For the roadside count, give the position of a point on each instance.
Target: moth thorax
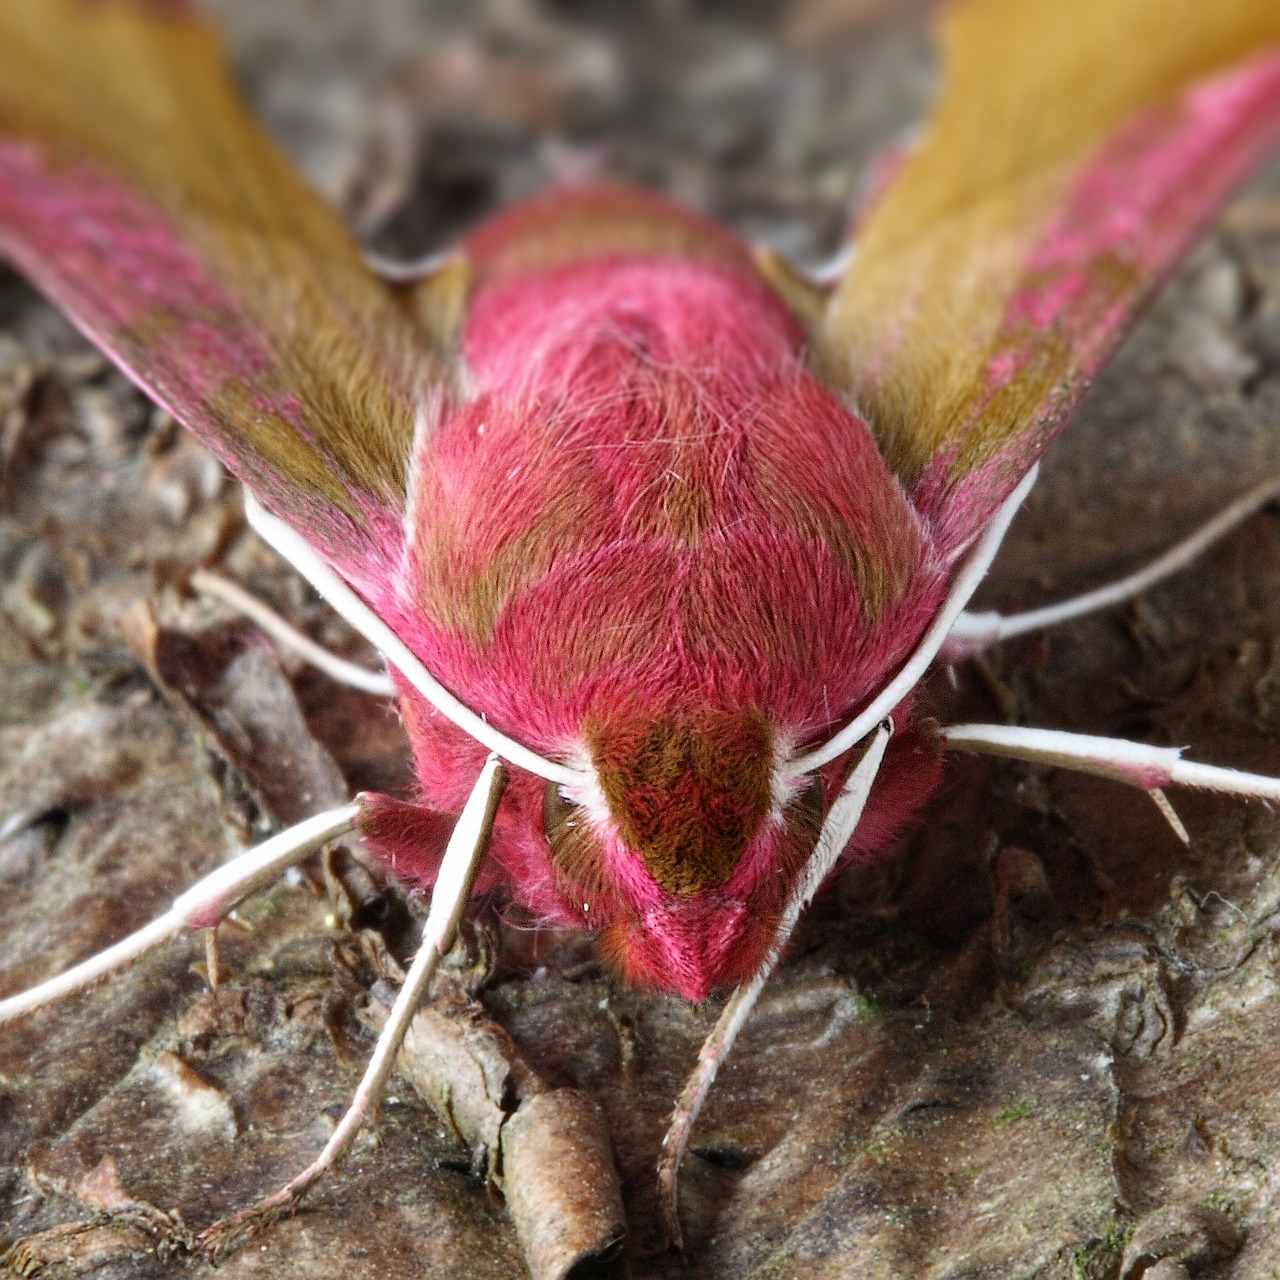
(688, 790)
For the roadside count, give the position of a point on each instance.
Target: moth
(657, 536)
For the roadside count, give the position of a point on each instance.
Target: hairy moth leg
(837, 829)
(974, 632)
(339, 669)
(449, 899)
(201, 907)
(1136, 763)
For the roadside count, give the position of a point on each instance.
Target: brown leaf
(560, 1182)
(235, 692)
(547, 1150)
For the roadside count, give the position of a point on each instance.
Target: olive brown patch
(688, 790)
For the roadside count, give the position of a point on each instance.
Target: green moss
(1098, 1258)
(1222, 1200)
(1017, 1109)
(881, 1148)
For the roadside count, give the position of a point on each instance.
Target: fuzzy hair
(647, 513)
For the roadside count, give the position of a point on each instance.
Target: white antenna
(299, 553)
(909, 675)
(308, 562)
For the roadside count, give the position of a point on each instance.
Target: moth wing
(138, 194)
(1074, 151)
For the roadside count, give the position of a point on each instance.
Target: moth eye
(804, 815)
(575, 852)
(559, 816)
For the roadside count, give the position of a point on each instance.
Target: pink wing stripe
(1124, 222)
(115, 263)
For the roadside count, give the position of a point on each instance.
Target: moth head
(686, 791)
(680, 847)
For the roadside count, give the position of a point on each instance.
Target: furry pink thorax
(646, 516)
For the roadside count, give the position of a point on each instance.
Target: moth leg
(449, 899)
(1135, 763)
(200, 907)
(715, 1049)
(974, 632)
(348, 673)
(1170, 815)
(837, 829)
(212, 958)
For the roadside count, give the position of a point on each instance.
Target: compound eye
(559, 816)
(575, 852)
(804, 816)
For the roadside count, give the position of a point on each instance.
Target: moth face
(686, 792)
(679, 851)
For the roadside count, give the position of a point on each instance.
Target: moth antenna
(348, 605)
(449, 898)
(405, 270)
(836, 267)
(212, 958)
(1135, 763)
(1170, 815)
(837, 830)
(200, 907)
(339, 669)
(910, 673)
(974, 632)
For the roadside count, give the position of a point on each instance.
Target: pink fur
(686, 517)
